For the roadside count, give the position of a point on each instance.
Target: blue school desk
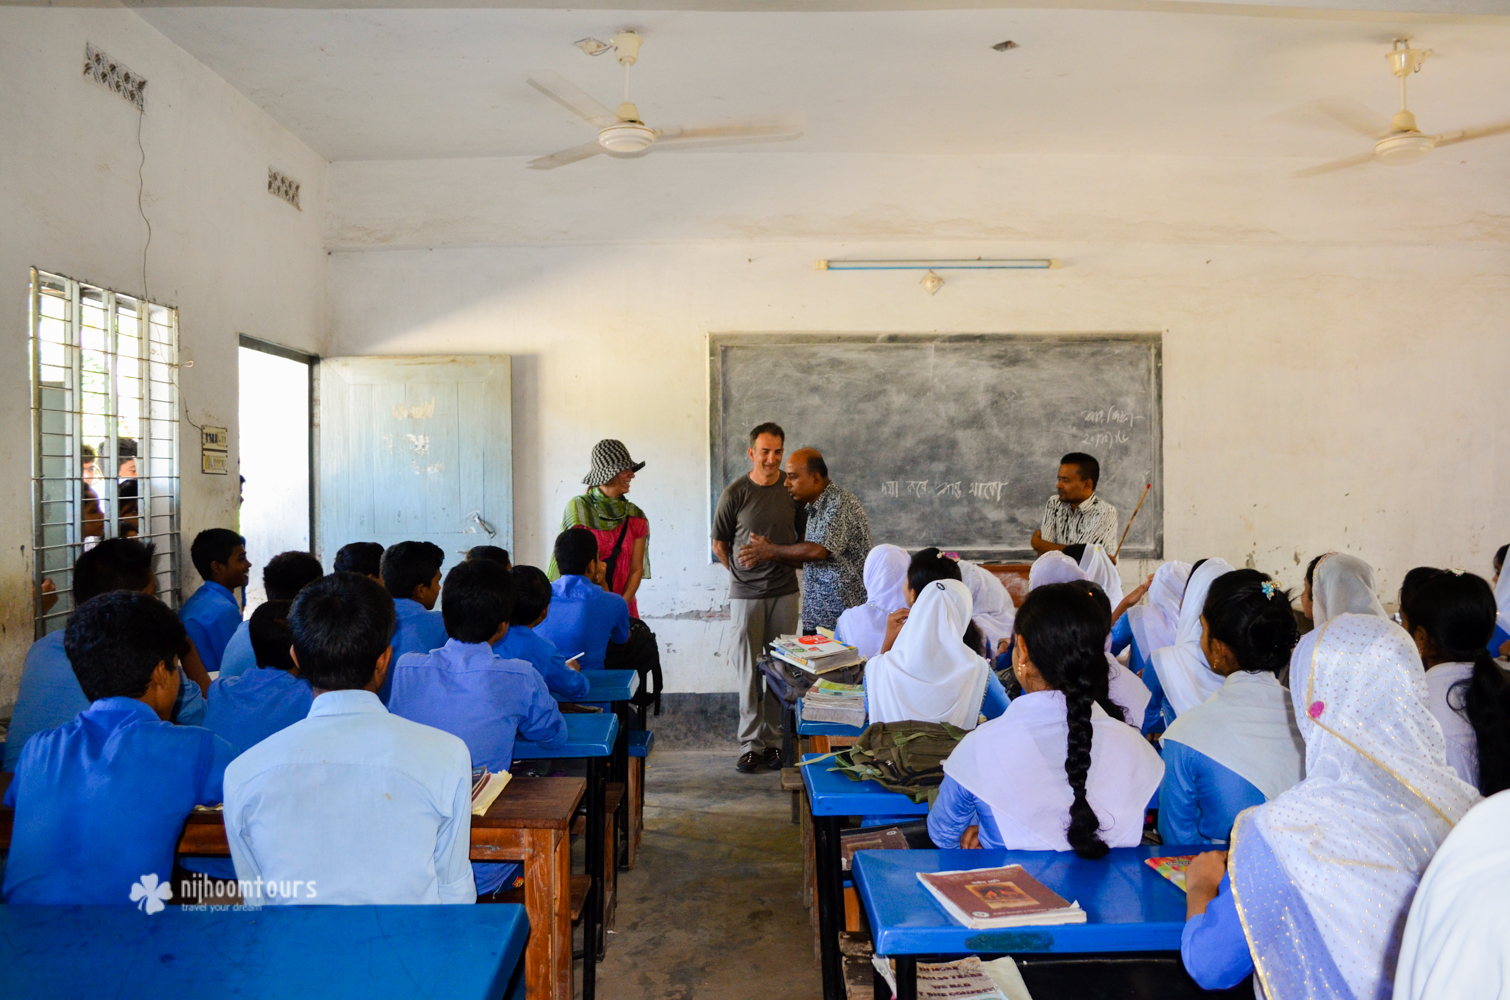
(1129, 907)
(591, 738)
(613, 689)
(831, 796)
(330, 952)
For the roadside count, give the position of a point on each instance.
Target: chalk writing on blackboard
(921, 488)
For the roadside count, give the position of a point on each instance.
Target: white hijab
(1502, 599)
(1183, 671)
(930, 675)
(994, 613)
(864, 627)
(1353, 838)
(1455, 939)
(1340, 585)
(1015, 763)
(1248, 727)
(1098, 568)
(1053, 567)
(1153, 624)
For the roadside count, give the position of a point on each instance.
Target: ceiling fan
(1400, 141)
(621, 132)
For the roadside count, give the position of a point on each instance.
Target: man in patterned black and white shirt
(1075, 515)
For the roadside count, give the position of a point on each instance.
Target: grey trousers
(756, 622)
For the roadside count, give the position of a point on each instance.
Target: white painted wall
(1335, 351)
(230, 256)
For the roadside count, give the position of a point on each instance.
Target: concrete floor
(713, 909)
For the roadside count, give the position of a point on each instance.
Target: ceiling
(390, 84)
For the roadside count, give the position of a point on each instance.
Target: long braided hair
(1065, 628)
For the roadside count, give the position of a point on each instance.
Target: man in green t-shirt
(763, 599)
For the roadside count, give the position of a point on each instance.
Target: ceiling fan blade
(1326, 168)
(734, 133)
(1355, 116)
(1468, 134)
(566, 156)
(571, 97)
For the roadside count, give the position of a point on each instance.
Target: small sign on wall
(214, 451)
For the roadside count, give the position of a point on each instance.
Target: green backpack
(905, 757)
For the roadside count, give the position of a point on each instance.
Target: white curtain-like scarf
(1502, 598)
(929, 674)
(1153, 624)
(864, 627)
(1323, 875)
(1248, 727)
(1183, 671)
(1455, 939)
(1340, 585)
(1053, 567)
(1099, 569)
(994, 613)
(1015, 763)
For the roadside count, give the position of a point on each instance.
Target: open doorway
(275, 454)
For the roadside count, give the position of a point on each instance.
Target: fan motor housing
(1404, 147)
(626, 137)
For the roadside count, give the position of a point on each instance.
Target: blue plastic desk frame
(613, 689)
(831, 796)
(591, 738)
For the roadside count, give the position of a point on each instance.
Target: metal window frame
(313, 363)
(148, 430)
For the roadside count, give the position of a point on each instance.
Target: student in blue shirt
(532, 602)
(248, 708)
(465, 689)
(50, 694)
(282, 578)
(365, 558)
(211, 615)
(100, 801)
(352, 805)
(411, 572)
(583, 617)
(490, 552)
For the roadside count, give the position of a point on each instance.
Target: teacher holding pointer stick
(1075, 515)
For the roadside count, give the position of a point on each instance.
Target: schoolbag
(905, 757)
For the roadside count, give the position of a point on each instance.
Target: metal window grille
(104, 434)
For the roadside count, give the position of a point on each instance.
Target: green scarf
(596, 510)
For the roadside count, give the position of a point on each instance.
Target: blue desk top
(606, 687)
(590, 735)
(805, 728)
(330, 952)
(832, 793)
(1128, 905)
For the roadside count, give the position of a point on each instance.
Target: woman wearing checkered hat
(621, 527)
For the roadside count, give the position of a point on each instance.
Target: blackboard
(951, 440)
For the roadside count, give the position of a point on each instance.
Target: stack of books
(826, 701)
(816, 654)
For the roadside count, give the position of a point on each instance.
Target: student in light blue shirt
(282, 578)
(352, 805)
(100, 801)
(211, 614)
(465, 689)
(411, 572)
(50, 694)
(583, 617)
(532, 602)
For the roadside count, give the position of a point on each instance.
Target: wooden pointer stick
(1130, 521)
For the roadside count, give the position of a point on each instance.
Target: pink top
(639, 527)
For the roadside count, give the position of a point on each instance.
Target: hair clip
(1268, 586)
(1456, 572)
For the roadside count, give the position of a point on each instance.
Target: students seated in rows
(411, 572)
(928, 670)
(584, 618)
(1184, 675)
(1324, 874)
(490, 552)
(248, 708)
(351, 805)
(864, 626)
(100, 800)
(1450, 617)
(212, 614)
(532, 601)
(467, 690)
(1078, 779)
(365, 558)
(282, 578)
(50, 694)
(1241, 746)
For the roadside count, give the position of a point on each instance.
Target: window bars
(104, 434)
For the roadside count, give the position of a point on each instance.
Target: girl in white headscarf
(1338, 584)
(1057, 771)
(993, 609)
(1183, 672)
(1099, 569)
(1502, 600)
(1147, 627)
(1240, 747)
(1319, 882)
(864, 627)
(929, 674)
